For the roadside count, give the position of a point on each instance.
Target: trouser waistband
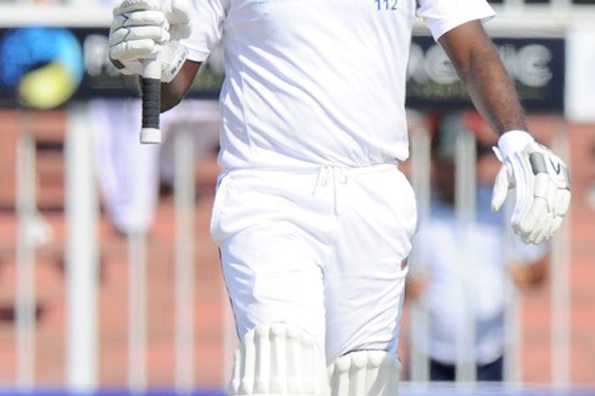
(316, 169)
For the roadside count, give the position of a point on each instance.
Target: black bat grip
(151, 109)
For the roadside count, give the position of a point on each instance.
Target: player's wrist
(172, 58)
(513, 141)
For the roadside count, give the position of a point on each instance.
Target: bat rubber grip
(150, 136)
(151, 109)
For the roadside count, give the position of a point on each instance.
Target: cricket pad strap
(279, 359)
(365, 373)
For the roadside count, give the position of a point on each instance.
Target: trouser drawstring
(333, 176)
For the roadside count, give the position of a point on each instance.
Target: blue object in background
(42, 66)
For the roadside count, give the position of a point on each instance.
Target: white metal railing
(82, 208)
(420, 179)
(25, 258)
(137, 311)
(560, 287)
(54, 15)
(513, 330)
(465, 205)
(185, 366)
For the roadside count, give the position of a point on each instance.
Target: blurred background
(109, 281)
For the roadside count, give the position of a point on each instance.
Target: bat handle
(151, 94)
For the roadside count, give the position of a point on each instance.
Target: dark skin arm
(479, 67)
(174, 92)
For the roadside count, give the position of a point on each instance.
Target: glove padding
(542, 186)
(149, 29)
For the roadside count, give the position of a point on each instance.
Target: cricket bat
(151, 97)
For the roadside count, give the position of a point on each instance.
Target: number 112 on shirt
(386, 5)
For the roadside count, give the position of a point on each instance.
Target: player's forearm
(171, 96)
(479, 66)
(492, 90)
(173, 92)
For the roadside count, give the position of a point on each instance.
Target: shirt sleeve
(440, 16)
(207, 28)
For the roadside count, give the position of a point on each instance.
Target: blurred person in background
(129, 173)
(491, 263)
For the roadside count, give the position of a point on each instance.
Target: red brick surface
(113, 290)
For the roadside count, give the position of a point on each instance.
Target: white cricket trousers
(321, 249)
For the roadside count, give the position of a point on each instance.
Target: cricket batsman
(312, 216)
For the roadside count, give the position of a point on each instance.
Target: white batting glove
(149, 29)
(542, 186)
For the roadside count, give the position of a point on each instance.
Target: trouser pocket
(221, 197)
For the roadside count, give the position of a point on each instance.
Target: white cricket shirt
(311, 82)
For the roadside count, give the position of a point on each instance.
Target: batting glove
(149, 29)
(541, 182)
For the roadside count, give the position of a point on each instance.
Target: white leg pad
(365, 373)
(276, 360)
